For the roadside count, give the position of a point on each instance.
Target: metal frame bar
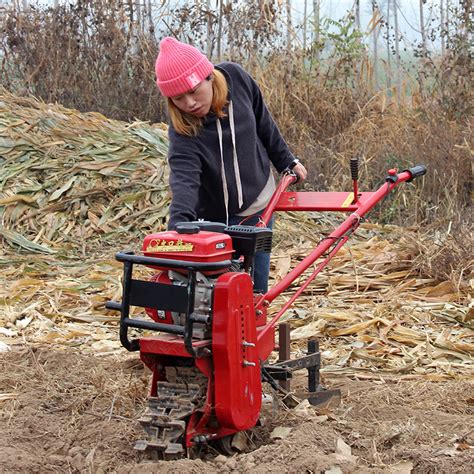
(331, 244)
(129, 259)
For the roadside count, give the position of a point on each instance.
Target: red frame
(152, 348)
(318, 201)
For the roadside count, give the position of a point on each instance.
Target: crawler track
(164, 420)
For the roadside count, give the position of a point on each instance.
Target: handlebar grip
(290, 172)
(416, 171)
(355, 169)
(113, 305)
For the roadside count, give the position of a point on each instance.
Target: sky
(336, 9)
(409, 22)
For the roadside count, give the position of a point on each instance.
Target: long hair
(187, 124)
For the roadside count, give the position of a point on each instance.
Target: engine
(202, 301)
(202, 242)
(189, 243)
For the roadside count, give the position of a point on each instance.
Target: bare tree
(422, 27)
(151, 25)
(441, 19)
(357, 14)
(305, 23)
(288, 24)
(447, 22)
(397, 50)
(209, 28)
(138, 11)
(389, 55)
(219, 30)
(317, 26)
(375, 38)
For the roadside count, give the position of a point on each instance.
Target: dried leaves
(75, 188)
(375, 316)
(398, 326)
(69, 179)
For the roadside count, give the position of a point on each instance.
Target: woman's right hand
(300, 171)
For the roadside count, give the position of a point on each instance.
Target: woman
(222, 139)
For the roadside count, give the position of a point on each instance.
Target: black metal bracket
(312, 361)
(316, 394)
(158, 296)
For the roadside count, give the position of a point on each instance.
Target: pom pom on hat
(179, 67)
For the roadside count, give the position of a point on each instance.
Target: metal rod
(188, 324)
(125, 309)
(355, 178)
(285, 181)
(356, 192)
(142, 324)
(313, 372)
(284, 350)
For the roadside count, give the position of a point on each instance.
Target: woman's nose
(190, 102)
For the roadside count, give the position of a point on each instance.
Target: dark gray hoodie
(196, 178)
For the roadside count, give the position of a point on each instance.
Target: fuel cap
(187, 229)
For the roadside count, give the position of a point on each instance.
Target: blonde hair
(186, 124)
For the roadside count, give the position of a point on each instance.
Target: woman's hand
(300, 171)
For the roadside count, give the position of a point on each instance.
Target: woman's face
(196, 101)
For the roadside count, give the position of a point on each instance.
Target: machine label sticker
(159, 245)
(348, 201)
(220, 245)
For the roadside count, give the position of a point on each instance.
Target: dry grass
(99, 56)
(444, 255)
(68, 179)
(327, 126)
(87, 55)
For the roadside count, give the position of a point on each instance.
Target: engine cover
(201, 246)
(237, 379)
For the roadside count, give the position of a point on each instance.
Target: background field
(83, 174)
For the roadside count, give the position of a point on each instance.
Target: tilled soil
(66, 411)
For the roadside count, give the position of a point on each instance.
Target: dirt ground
(67, 411)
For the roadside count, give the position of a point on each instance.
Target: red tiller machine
(209, 336)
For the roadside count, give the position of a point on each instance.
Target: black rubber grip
(355, 169)
(113, 305)
(416, 171)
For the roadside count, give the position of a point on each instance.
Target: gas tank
(189, 244)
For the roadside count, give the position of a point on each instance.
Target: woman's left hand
(300, 171)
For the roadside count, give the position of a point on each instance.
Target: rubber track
(164, 420)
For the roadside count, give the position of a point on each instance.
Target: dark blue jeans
(261, 268)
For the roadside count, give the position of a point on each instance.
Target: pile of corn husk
(375, 315)
(70, 180)
(73, 184)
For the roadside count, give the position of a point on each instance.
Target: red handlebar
(287, 179)
(328, 245)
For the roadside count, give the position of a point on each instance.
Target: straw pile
(376, 316)
(68, 180)
(72, 185)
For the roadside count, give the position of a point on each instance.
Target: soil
(63, 410)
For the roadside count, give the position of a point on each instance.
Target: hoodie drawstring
(235, 161)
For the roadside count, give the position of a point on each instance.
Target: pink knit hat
(179, 67)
